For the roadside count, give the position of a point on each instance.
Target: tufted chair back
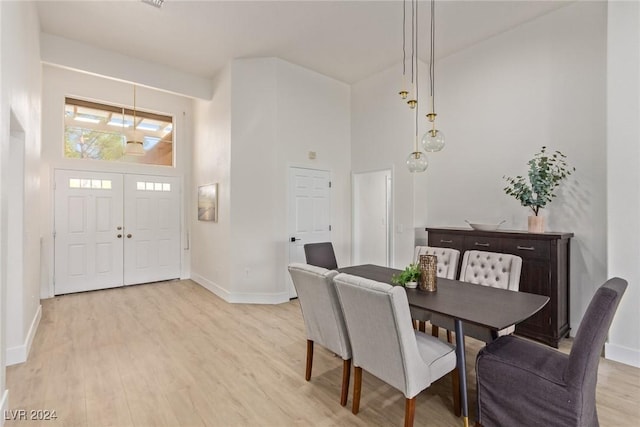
(491, 269)
(447, 259)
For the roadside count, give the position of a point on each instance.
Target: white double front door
(114, 229)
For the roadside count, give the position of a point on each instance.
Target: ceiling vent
(154, 3)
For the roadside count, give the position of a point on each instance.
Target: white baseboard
(4, 406)
(240, 297)
(19, 353)
(618, 353)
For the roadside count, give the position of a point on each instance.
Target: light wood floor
(173, 354)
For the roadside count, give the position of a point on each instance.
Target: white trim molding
(4, 406)
(618, 353)
(240, 297)
(19, 353)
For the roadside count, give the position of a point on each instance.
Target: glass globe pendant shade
(433, 140)
(417, 162)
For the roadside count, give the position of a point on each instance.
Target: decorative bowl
(484, 227)
(411, 285)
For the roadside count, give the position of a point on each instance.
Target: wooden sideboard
(545, 271)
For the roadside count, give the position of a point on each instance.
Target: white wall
(20, 112)
(623, 174)
(278, 112)
(498, 102)
(59, 83)
(382, 136)
(210, 242)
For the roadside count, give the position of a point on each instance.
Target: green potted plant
(408, 277)
(546, 172)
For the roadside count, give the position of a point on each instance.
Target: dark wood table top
(482, 305)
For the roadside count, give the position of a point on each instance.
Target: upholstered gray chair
(447, 267)
(323, 319)
(384, 342)
(488, 269)
(524, 383)
(321, 255)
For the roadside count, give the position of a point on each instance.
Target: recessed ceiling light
(154, 3)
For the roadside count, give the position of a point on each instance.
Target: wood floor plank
(173, 354)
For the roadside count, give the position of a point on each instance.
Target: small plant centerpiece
(408, 277)
(546, 172)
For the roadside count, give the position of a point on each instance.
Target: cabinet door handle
(526, 248)
(446, 241)
(486, 245)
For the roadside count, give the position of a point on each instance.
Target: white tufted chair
(447, 259)
(488, 269)
(446, 267)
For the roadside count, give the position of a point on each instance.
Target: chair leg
(455, 388)
(449, 339)
(409, 411)
(307, 375)
(346, 373)
(357, 388)
(422, 325)
(435, 331)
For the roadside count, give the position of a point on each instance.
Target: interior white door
(309, 212)
(152, 228)
(371, 217)
(88, 231)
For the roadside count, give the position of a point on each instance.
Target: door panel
(309, 212)
(152, 233)
(88, 210)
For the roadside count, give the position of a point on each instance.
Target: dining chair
(525, 383)
(385, 344)
(487, 269)
(321, 255)
(323, 319)
(447, 267)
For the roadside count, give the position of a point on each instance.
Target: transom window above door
(97, 131)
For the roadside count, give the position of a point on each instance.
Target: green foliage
(545, 174)
(83, 143)
(410, 274)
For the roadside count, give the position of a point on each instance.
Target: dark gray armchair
(524, 383)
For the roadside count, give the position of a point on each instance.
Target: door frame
(48, 288)
(390, 217)
(288, 284)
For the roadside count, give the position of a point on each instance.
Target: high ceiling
(346, 40)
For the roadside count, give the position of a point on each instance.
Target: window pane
(149, 186)
(74, 183)
(157, 186)
(166, 186)
(140, 185)
(106, 184)
(99, 132)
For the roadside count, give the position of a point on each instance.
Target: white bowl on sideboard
(484, 227)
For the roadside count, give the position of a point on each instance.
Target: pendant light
(413, 101)
(134, 144)
(433, 139)
(403, 92)
(417, 160)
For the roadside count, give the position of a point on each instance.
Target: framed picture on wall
(208, 202)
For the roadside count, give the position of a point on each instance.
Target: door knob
(119, 236)
(119, 228)
(128, 236)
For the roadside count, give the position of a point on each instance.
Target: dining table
(465, 302)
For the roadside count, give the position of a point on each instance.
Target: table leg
(462, 369)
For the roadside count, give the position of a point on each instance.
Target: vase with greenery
(411, 274)
(537, 189)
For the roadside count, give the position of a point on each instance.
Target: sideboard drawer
(528, 249)
(442, 240)
(480, 243)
